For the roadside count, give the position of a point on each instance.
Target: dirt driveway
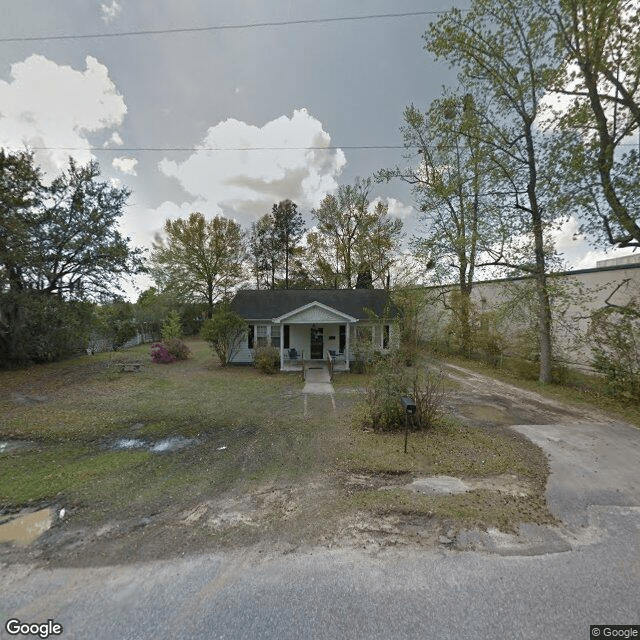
(594, 479)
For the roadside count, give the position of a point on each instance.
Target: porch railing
(330, 365)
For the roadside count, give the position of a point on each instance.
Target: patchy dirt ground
(282, 518)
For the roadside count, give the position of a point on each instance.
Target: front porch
(312, 334)
(303, 365)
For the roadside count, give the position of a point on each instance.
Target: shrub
(392, 380)
(172, 327)
(224, 332)
(266, 359)
(160, 354)
(615, 332)
(177, 348)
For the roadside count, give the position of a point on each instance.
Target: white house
(315, 324)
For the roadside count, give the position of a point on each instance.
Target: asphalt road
(549, 584)
(346, 594)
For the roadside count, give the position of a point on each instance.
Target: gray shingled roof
(268, 304)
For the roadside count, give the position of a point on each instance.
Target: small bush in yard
(383, 411)
(224, 331)
(160, 354)
(266, 359)
(172, 327)
(177, 348)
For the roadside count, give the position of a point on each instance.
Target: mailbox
(408, 404)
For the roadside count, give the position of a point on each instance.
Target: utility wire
(223, 27)
(167, 149)
(355, 147)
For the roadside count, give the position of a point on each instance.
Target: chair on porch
(336, 356)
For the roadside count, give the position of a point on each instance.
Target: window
(275, 340)
(261, 335)
(250, 337)
(385, 336)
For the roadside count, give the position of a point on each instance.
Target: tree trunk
(544, 327)
(542, 293)
(210, 299)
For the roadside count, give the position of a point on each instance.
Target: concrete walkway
(317, 380)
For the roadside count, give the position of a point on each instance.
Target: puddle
(24, 529)
(161, 446)
(13, 445)
(171, 444)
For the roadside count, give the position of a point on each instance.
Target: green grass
(73, 412)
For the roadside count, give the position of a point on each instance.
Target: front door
(317, 344)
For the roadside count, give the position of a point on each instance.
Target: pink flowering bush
(177, 348)
(160, 354)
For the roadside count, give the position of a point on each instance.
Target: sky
(168, 114)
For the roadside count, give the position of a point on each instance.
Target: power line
(192, 149)
(223, 27)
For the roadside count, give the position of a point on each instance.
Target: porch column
(346, 348)
(281, 346)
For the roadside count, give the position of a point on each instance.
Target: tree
(352, 238)
(151, 310)
(288, 228)
(452, 184)
(224, 331)
(199, 260)
(375, 250)
(59, 247)
(62, 239)
(20, 195)
(599, 41)
(262, 252)
(505, 49)
(172, 327)
(115, 321)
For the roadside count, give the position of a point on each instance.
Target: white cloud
(114, 139)
(126, 165)
(110, 11)
(396, 208)
(244, 184)
(55, 106)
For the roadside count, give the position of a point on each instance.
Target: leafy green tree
(115, 321)
(62, 239)
(199, 260)
(263, 252)
(599, 41)
(59, 243)
(376, 250)
(505, 50)
(224, 332)
(288, 227)
(352, 237)
(21, 191)
(452, 184)
(152, 308)
(172, 327)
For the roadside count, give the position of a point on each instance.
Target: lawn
(275, 464)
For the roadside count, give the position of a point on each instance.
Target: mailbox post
(409, 407)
